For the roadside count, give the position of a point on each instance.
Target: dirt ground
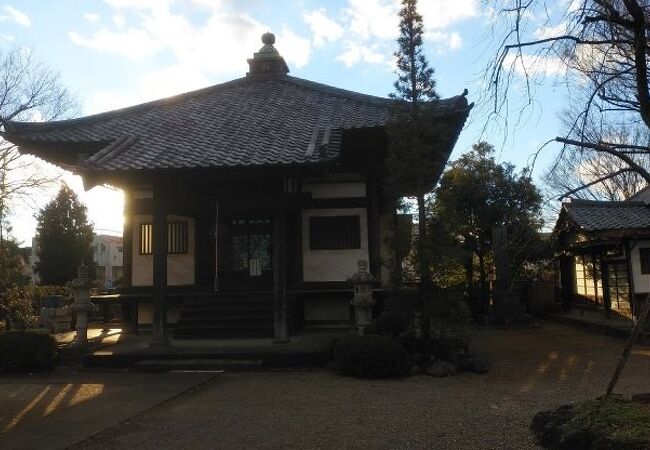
(531, 370)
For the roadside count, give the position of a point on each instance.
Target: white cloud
(373, 25)
(92, 17)
(528, 64)
(134, 44)
(12, 14)
(119, 20)
(441, 14)
(449, 41)
(138, 4)
(219, 45)
(550, 32)
(294, 49)
(9, 37)
(354, 53)
(322, 27)
(373, 18)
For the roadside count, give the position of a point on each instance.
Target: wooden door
(248, 261)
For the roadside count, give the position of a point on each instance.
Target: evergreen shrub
(393, 323)
(25, 351)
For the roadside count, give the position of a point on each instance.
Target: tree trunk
(483, 281)
(423, 261)
(636, 330)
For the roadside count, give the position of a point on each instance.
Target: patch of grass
(616, 423)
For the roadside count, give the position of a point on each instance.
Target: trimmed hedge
(393, 323)
(371, 356)
(25, 351)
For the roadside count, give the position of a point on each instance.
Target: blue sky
(115, 53)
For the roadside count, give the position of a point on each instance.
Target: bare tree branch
(609, 150)
(28, 91)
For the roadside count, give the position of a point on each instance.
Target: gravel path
(531, 370)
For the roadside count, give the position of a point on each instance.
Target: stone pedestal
(362, 301)
(81, 306)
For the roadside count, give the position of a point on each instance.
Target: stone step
(235, 330)
(217, 365)
(218, 309)
(232, 314)
(229, 301)
(226, 320)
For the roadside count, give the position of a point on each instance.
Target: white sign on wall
(255, 267)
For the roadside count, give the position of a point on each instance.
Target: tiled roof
(249, 121)
(601, 215)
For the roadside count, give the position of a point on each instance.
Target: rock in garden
(473, 363)
(441, 369)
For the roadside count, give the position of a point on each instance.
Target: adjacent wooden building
(604, 254)
(248, 203)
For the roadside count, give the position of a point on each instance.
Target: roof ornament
(268, 38)
(267, 61)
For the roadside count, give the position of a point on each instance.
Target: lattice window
(146, 243)
(177, 238)
(334, 233)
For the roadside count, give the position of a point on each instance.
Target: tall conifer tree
(411, 159)
(65, 237)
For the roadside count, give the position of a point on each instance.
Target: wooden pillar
(217, 242)
(159, 247)
(604, 275)
(594, 267)
(127, 241)
(372, 194)
(567, 274)
(129, 319)
(630, 281)
(280, 274)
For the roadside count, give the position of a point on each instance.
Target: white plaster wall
(335, 190)
(327, 309)
(332, 265)
(180, 268)
(641, 281)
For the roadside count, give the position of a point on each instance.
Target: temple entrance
(247, 259)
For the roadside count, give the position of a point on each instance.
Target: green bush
(371, 356)
(447, 348)
(19, 306)
(23, 351)
(393, 323)
(16, 309)
(403, 299)
(447, 313)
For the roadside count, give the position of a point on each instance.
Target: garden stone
(473, 363)
(441, 369)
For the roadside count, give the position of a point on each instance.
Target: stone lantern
(81, 306)
(362, 300)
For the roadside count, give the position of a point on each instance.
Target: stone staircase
(226, 315)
